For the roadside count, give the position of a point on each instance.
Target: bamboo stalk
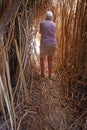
(7, 100)
(10, 90)
(22, 73)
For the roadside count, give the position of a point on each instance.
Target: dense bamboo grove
(72, 52)
(17, 63)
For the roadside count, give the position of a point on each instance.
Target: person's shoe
(42, 75)
(51, 77)
(0, 112)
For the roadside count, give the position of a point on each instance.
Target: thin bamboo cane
(10, 90)
(22, 73)
(7, 103)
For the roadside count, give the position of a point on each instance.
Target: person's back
(47, 42)
(47, 30)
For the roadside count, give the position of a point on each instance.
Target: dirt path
(47, 108)
(46, 101)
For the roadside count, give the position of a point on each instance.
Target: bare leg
(49, 58)
(42, 66)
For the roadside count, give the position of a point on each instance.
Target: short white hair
(49, 14)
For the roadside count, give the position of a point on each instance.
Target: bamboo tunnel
(19, 27)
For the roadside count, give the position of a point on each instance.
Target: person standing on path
(47, 42)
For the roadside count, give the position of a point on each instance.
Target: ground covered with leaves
(49, 108)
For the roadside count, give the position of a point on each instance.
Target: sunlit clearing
(38, 43)
(36, 49)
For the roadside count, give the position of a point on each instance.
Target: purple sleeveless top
(47, 30)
